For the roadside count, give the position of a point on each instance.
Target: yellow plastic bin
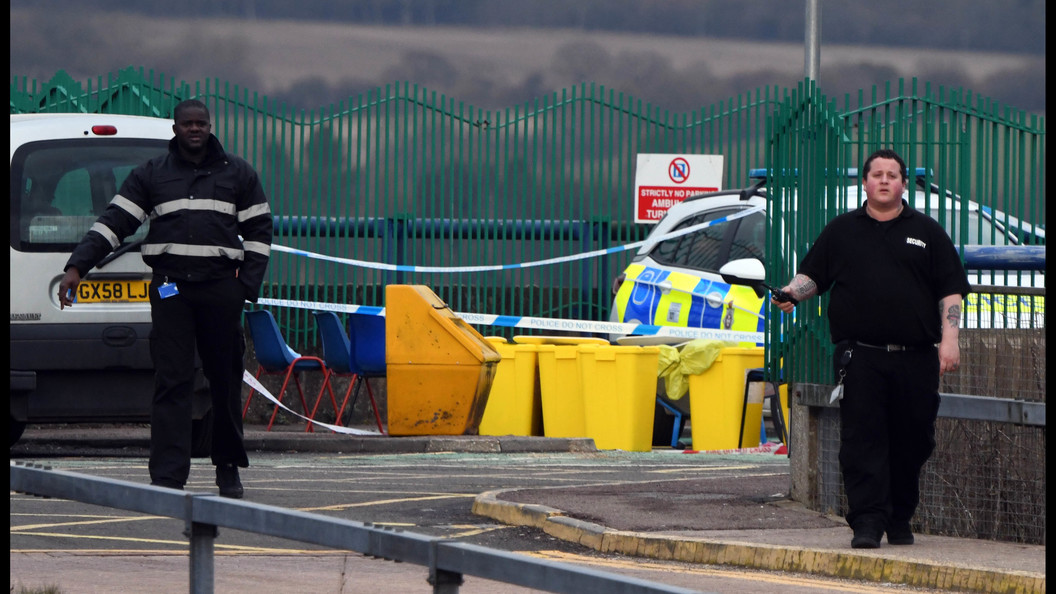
(717, 400)
(514, 406)
(619, 395)
(439, 369)
(560, 394)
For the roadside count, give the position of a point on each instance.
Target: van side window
(65, 185)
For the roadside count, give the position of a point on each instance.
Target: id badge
(837, 394)
(168, 290)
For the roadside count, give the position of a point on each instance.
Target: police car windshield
(711, 247)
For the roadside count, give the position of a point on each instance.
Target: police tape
(256, 385)
(533, 264)
(551, 324)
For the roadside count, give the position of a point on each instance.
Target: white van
(90, 362)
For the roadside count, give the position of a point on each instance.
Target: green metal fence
(404, 175)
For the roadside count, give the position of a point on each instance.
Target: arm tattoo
(953, 314)
(802, 287)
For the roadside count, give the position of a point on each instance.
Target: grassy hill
(311, 64)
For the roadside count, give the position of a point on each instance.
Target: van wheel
(202, 436)
(17, 427)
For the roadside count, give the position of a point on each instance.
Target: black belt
(892, 347)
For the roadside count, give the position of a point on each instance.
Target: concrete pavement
(630, 519)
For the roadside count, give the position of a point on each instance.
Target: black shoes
(227, 480)
(899, 533)
(866, 537)
(168, 484)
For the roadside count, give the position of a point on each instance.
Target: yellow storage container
(514, 406)
(619, 395)
(718, 397)
(752, 410)
(783, 394)
(560, 392)
(439, 369)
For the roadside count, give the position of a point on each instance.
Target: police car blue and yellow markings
(1004, 311)
(666, 298)
(1005, 303)
(641, 302)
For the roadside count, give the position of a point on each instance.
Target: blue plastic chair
(275, 357)
(366, 335)
(337, 351)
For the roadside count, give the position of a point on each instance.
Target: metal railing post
(443, 581)
(203, 538)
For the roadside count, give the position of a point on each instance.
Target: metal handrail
(203, 513)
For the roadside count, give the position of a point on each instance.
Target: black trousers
(207, 315)
(887, 416)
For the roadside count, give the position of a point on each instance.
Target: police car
(90, 362)
(674, 279)
(676, 282)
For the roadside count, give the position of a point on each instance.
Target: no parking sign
(663, 180)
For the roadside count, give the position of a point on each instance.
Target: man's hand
(785, 306)
(800, 288)
(68, 287)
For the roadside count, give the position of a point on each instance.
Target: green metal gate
(960, 145)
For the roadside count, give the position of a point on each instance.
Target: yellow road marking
(343, 506)
(180, 543)
(20, 529)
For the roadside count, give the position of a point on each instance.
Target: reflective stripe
(106, 232)
(253, 211)
(257, 247)
(183, 249)
(130, 207)
(172, 206)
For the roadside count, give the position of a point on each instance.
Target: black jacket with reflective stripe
(197, 213)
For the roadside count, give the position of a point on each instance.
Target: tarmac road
(507, 493)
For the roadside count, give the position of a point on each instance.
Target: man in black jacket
(208, 247)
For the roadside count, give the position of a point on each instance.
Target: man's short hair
(189, 104)
(885, 154)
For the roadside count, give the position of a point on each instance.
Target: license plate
(113, 291)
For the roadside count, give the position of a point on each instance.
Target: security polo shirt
(885, 278)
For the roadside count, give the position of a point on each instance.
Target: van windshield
(60, 187)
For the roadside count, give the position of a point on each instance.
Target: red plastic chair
(275, 357)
